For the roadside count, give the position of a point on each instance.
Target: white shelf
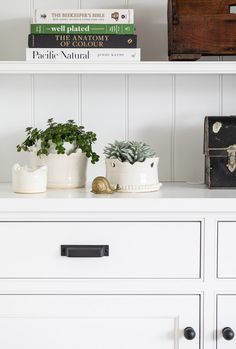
(21, 67)
(173, 197)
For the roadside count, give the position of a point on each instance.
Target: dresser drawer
(226, 322)
(136, 250)
(227, 249)
(101, 322)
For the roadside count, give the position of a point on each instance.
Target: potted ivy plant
(64, 148)
(132, 166)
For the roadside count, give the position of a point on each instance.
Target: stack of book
(83, 36)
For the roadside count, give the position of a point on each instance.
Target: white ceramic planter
(139, 177)
(64, 171)
(29, 181)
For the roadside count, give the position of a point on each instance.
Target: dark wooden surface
(201, 27)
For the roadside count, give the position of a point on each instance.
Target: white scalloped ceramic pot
(29, 181)
(64, 171)
(139, 177)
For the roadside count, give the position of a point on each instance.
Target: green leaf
(130, 151)
(58, 134)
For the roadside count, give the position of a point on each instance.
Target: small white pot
(29, 181)
(139, 177)
(64, 171)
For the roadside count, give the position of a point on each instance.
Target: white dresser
(149, 271)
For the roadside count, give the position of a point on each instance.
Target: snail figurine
(101, 185)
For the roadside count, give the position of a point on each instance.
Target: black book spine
(82, 41)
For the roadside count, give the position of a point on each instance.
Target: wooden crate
(201, 28)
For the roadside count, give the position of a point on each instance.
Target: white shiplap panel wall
(15, 100)
(55, 97)
(150, 116)
(15, 116)
(103, 110)
(151, 23)
(54, 4)
(165, 111)
(14, 27)
(195, 97)
(229, 95)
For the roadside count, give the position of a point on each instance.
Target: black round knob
(189, 333)
(228, 333)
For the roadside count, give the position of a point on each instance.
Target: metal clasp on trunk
(231, 158)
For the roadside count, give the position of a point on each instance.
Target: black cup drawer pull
(84, 251)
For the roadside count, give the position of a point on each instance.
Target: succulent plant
(130, 151)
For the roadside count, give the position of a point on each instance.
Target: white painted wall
(165, 111)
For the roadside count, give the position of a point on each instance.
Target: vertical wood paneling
(103, 112)
(196, 97)
(229, 93)
(14, 27)
(15, 108)
(55, 96)
(150, 116)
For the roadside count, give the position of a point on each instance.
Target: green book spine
(83, 29)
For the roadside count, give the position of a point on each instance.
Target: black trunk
(220, 151)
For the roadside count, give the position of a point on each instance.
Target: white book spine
(104, 16)
(83, 55)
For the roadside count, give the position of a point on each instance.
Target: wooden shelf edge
(161, 68)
